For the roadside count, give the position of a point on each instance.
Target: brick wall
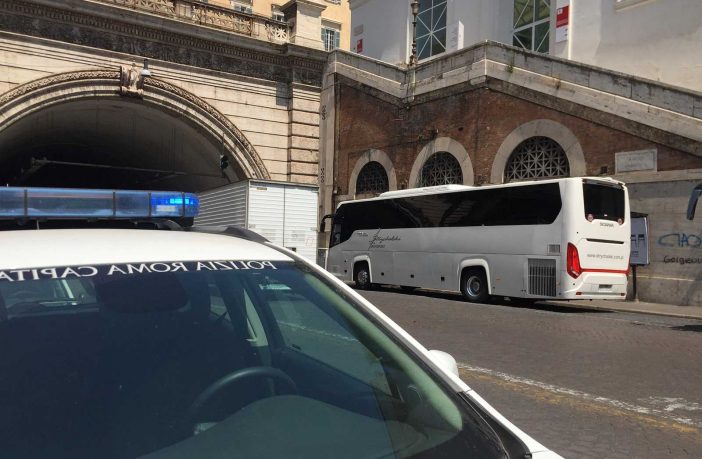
(480, 120)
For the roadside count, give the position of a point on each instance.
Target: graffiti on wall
(681, 240)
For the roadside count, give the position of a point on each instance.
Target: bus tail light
(573, 262)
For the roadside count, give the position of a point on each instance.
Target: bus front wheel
(362, 276)
(474, 285)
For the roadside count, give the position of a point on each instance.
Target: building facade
(652, 39)
(336, 17)
(493, 113)
(162, 94)
(80, 105)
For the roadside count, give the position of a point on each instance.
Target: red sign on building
(562, 16)
(562, 20)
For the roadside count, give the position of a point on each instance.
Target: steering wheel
(234, 377)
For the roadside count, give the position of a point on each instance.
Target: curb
(635, 310)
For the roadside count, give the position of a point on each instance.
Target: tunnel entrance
(87, 138)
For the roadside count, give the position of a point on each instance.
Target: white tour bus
(563, 238)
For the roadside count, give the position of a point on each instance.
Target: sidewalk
(688, 312)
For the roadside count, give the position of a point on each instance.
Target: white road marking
(661, 406)
(671, 404)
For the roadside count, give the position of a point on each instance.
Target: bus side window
(336, 234)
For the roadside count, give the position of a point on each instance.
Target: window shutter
(337, 36)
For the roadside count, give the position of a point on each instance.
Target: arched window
(372, 179)
(440, 169)
(537, 158)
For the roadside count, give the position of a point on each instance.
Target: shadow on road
(510, 302)
(690, 328)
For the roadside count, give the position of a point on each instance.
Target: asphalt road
(585, 383)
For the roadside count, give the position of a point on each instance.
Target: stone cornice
(453, 69)
(663, 114)
(394, 94)
(611, 120)
(108, 27)
(306, 3)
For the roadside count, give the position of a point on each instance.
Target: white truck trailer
(284, 213)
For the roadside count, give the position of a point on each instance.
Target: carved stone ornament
(131, 81)
(37, 85)
(188, 44)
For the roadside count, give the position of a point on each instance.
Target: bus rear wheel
(362, 276)
(474, 286)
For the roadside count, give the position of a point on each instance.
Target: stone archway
(161, 103)
(378, 156)
(539, 128)
(438, 145)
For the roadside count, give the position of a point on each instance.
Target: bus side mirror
(322, 224)
(692, 205)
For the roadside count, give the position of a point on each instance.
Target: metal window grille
(440, 169)
(537, 158)
(372, 179)
(431, 28)
(532, 20)
(542, 277)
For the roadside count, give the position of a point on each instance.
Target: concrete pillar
(303, 135)
(305, 19)
(327, 148)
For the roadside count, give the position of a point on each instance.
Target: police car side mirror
(445, 361)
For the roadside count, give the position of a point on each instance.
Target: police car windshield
(210, 359)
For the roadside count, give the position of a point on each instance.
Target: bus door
(334, 262)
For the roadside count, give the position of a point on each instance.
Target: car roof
(71, 247)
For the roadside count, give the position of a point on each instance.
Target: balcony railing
(196, 12)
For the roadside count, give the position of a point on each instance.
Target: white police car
(124, 334)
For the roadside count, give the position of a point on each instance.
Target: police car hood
(70, 247)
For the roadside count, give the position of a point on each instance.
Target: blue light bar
(60, 203)
(164, 204)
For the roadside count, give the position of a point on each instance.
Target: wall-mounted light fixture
(145, 70)
(414, 4)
